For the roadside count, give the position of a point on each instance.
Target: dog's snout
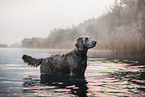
(94, 42)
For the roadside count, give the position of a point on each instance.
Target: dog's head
(85, 42)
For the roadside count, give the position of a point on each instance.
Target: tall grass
(124, 40)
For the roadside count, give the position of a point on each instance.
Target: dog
(73, 63)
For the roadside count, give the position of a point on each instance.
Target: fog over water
(35, 18)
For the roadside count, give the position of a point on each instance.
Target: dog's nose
(94, 42)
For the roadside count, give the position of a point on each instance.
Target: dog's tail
(32, 61)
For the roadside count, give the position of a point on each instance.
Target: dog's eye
(86, 39)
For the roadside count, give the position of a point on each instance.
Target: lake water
(102, 78)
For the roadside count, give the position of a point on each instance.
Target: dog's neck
(80, 53)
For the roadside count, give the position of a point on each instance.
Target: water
(102, 78)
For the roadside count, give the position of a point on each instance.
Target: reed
(123, 40)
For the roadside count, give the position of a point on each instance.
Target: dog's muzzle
(94, 43)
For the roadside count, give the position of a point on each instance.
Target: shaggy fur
(73, 63)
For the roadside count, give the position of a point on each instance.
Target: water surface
(102, 78)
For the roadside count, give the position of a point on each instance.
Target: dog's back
(56, 65)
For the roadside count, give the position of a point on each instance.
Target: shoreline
(92, 53)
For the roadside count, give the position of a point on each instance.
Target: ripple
(103, 78)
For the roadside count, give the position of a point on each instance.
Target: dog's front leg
(71, 74)
(74, 72)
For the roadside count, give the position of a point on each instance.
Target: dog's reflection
(76, 85)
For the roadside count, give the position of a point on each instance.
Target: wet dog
(73, 63)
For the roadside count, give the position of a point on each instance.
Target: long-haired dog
(73, 63)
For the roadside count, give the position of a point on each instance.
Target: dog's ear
(79, 44)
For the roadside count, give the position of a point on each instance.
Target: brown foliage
(121, 30)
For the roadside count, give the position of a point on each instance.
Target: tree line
(121, 30)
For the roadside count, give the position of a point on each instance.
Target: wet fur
(73, 63)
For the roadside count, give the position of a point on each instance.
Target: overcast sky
(36, 18)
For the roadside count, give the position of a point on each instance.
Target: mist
(45, 33)
(21, 19)
(120, 30)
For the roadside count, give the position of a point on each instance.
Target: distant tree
(3, 45)
(91, 31)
